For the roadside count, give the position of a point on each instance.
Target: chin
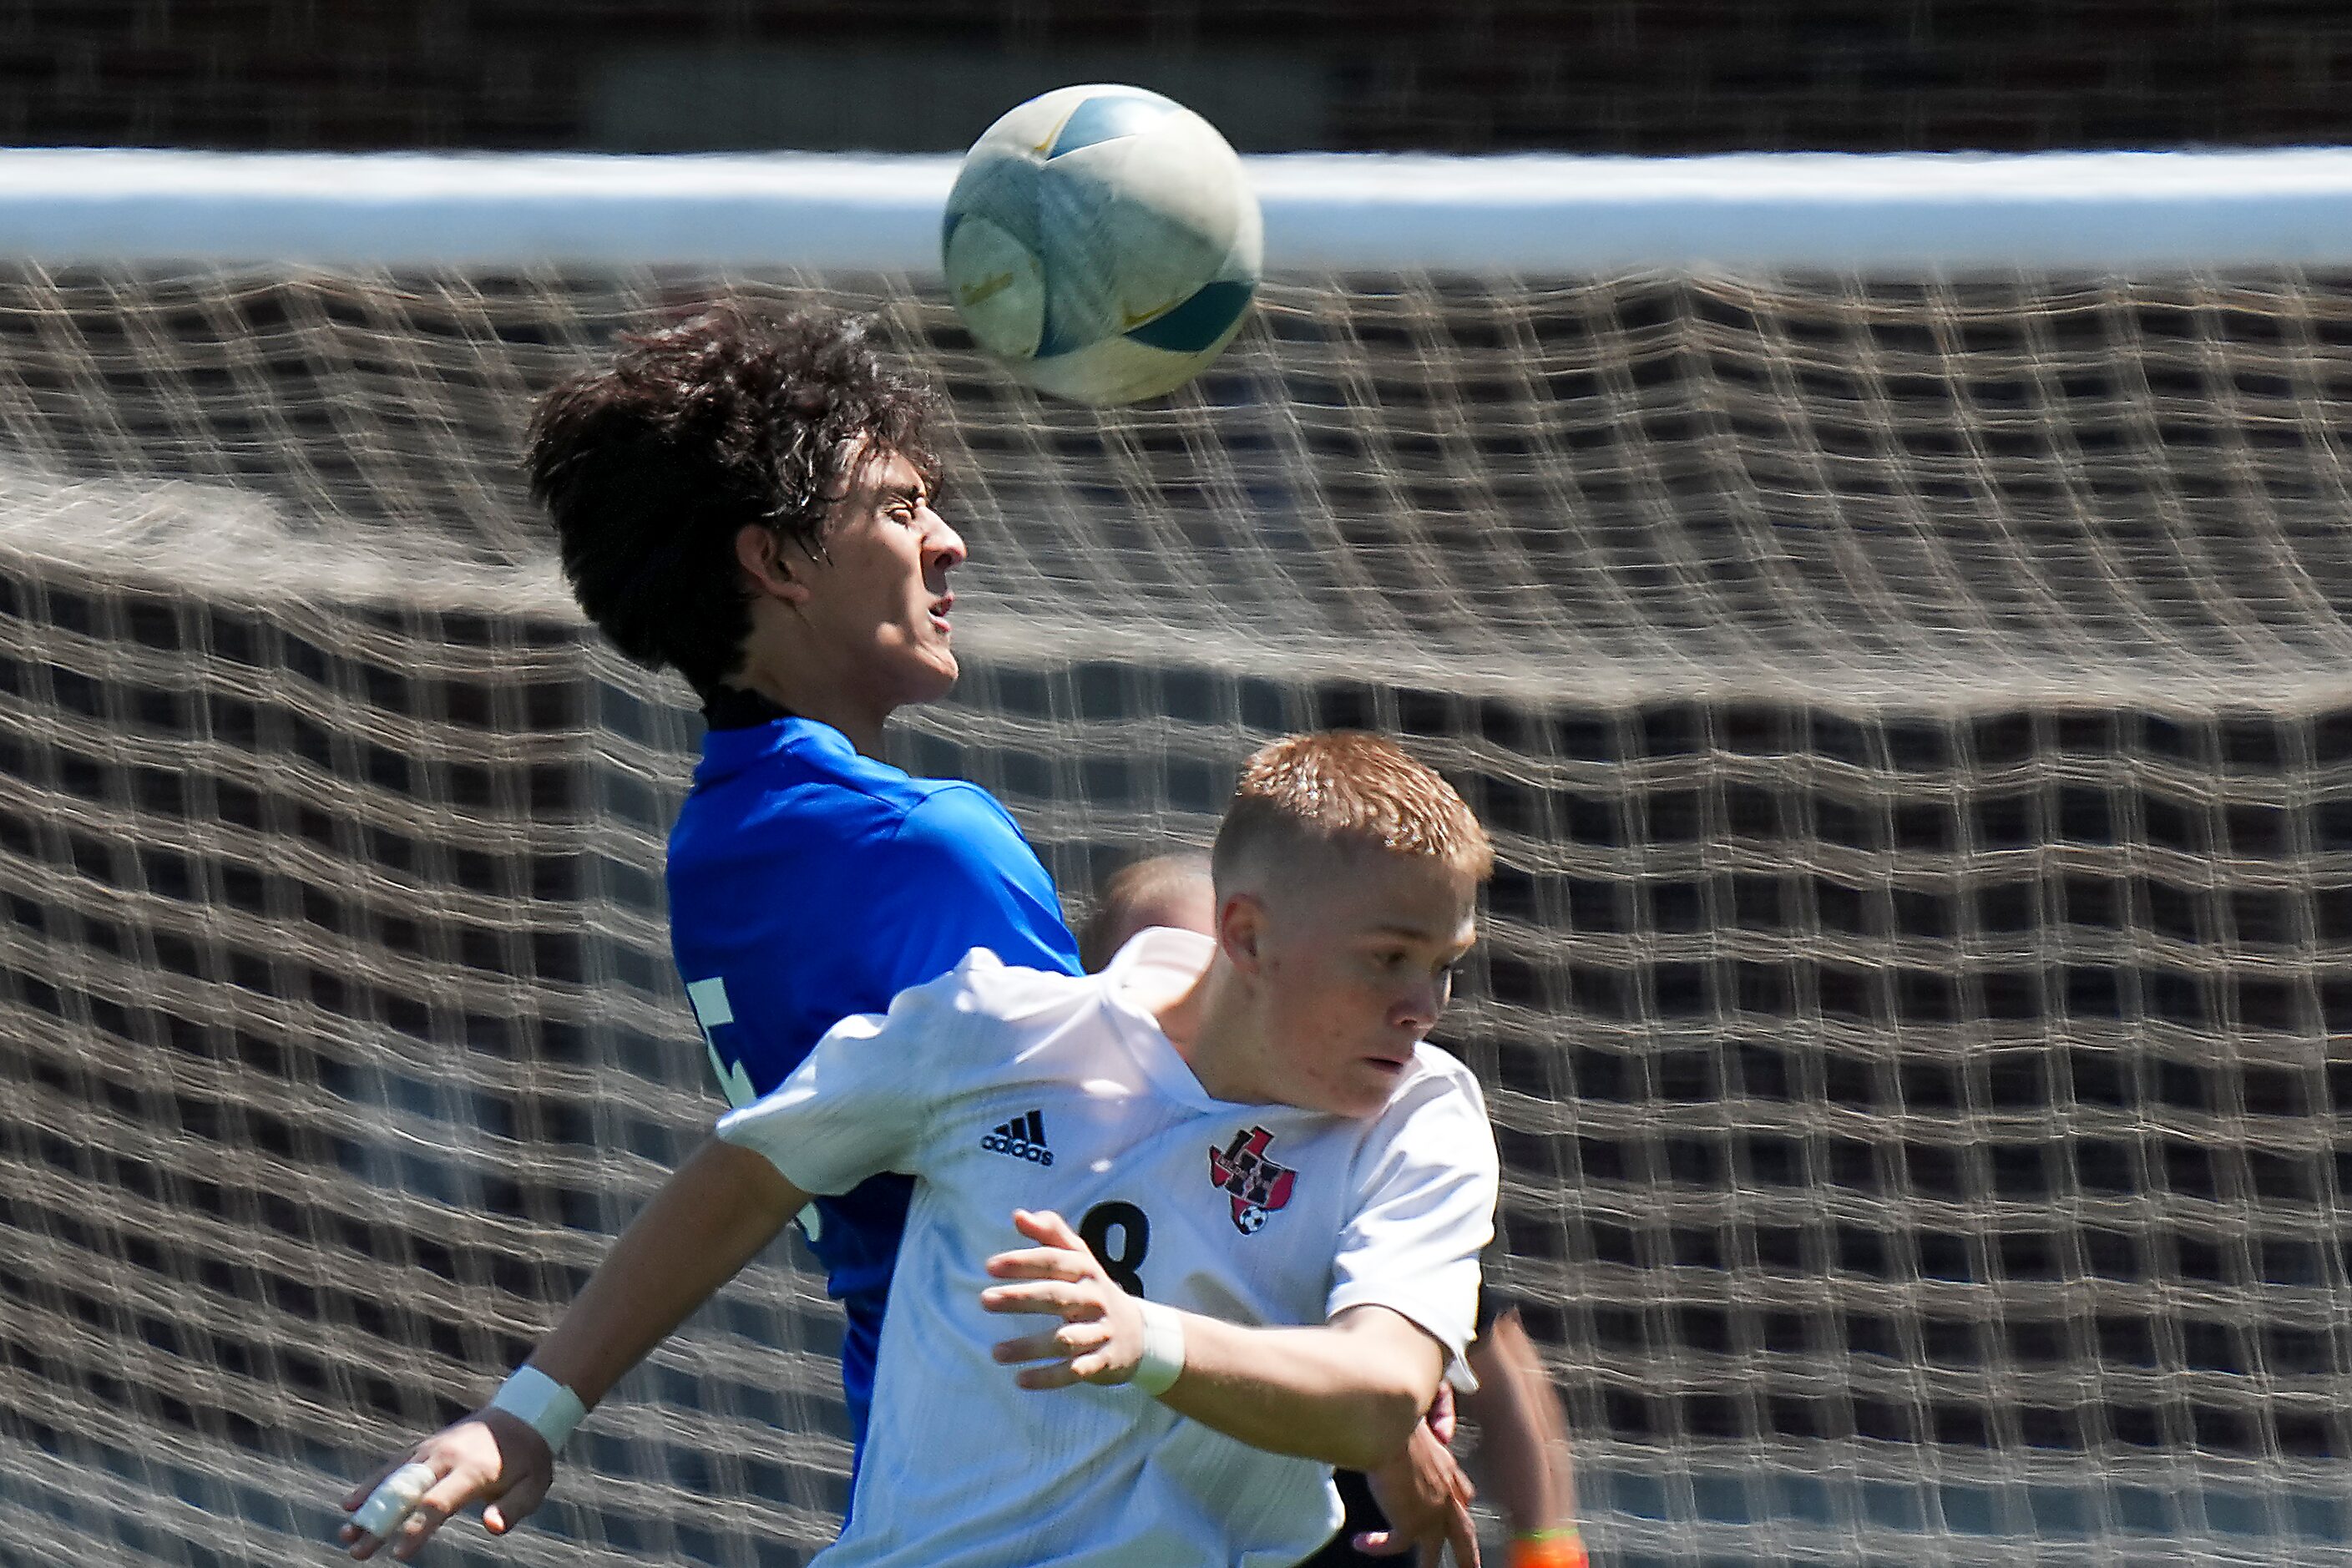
(931, 679)
(1362, 1104)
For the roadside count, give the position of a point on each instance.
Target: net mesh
(1914, 720)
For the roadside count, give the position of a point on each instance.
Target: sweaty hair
(1345, 788)
(1130, 895)
(651, 466)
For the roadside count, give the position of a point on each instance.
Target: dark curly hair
(652, 464)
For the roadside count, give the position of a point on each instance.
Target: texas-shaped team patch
(1257, 1184)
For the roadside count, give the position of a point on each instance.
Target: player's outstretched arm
(712, 1216)
(1350, 1393)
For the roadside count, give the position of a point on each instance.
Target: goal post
(1889, 613)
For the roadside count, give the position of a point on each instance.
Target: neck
(1211, 1028)
(817, 700)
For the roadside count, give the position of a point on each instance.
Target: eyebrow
(1393, 931)
(1411, 934)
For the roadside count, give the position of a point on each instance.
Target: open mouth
(940, 608)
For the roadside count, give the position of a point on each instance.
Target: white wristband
(1163, 1349)
(542, 1404)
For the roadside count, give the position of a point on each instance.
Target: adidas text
(1024, 1138)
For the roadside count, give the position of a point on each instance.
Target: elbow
(1381, 1428)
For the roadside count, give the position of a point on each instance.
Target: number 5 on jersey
(714, 1012)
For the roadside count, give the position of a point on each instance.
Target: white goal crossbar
(1926, 215)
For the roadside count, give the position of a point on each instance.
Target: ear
(766, 566)
(1241, 931)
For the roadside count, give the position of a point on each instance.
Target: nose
(1417, 1009)
(944, 548)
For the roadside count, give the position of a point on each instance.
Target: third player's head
(1174, 889)
(1347, 880)
(748, 500)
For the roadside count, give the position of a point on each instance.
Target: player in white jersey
(1522, 1431)
(1279, 1198)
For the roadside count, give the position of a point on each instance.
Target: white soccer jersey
(1003, 1089)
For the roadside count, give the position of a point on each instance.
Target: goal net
(1912, 707)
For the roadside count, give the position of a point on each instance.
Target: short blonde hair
(1345, 788)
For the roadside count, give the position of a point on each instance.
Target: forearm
(711, 1217)
(1346, 1396)
(1523, 1440)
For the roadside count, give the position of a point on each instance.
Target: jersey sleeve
(957, 875)
(1426, 1211)
(860, 1101)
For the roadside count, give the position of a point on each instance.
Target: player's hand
(489, 1457)
(1100, 1336)
(1440, 1418)
(1426, 1498)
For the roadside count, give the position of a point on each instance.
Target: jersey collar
(732, 750)
(740, 707)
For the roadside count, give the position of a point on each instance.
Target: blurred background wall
(1472, 76)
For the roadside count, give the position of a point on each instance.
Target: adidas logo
(1024, 1138)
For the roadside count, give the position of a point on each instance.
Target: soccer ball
(1101, 243)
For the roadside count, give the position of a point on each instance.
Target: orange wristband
(1548, 1549)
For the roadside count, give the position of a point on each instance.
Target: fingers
(1442, 1414)
(1093, 1363)
(377, 1514)
(451, 1493)
(1072, 1353)
(1383, 1543)
(417, 1515)
(1053, 1374)
(359, 1494)
(1060, 1297)
(1463, 1536)
(1454, 1480)
(1057, 1344)
(1045, 1226)
(1044, 1263)
(522, 1500)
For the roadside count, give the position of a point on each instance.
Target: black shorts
(1363, 1513)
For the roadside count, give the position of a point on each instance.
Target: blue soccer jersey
(808, 883)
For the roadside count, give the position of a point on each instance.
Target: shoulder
(957, 830)
(786, 785)
(819, 754)
(1438, 1077)
(808, 779)
(984, 988)
(1437, 1112)
(951, 814)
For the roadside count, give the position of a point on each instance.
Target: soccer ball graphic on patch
(1102, 244)
(1257, 1185)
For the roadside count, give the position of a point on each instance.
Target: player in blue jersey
(750, 502)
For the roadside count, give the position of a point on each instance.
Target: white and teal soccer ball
(1102, 244)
